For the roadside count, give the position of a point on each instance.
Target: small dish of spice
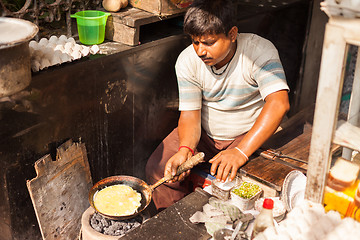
(245, 195)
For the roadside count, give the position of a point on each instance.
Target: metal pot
(15, 67)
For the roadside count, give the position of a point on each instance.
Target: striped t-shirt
(231, 102)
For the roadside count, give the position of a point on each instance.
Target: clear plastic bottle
(265, 219)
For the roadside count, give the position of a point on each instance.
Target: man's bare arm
(230, 160)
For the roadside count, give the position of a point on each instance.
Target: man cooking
(232, 97)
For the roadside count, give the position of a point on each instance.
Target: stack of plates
(293, 189)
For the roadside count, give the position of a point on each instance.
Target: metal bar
(280, 155)
(270, 156)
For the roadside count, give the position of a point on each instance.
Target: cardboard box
(160, 7)
(200, 178)
(343, 201)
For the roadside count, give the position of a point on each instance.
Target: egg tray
(57, 50)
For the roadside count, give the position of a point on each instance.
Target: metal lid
(15, 31)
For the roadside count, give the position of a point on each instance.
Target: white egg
(44, 63)
(72, 40)
(62, 38)
(65, 57)
(94, 49)
(51, 45)
(68, 51)
(33, 44)
(68, 45)
(38, 54)
(31, 51)
(35, 66)
(53, 39)
(55, 60)
(77, 47)
(76, 54)
(85, 51)
(59, 47)
(43, 41)
(48, 52)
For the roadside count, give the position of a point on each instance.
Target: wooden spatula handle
(189, 164)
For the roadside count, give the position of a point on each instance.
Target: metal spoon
(236, 230)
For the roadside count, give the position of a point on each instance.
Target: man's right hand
(173, 164)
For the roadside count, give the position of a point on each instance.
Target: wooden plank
(326, 111)
(119, 32)
(59, 192)
(267, 172)
(350, 28)
(158, 7)
(134, 17)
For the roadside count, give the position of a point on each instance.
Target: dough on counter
(117, 200)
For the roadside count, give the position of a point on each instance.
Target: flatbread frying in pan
(117, 200)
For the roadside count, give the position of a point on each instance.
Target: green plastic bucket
(91, 26)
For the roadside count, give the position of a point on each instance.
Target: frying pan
(140, 186)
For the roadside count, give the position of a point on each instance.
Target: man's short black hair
(209, 17)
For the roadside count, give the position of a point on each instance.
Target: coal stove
(94, 226)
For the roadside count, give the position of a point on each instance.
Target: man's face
(212, 48)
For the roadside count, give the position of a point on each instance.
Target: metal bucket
(15, 67)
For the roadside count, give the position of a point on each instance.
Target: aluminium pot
(15, 66)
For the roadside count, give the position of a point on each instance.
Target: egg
(65, 57)
(43, 41)
(62, 39)
(77, 47)
(76, 55)
(55, 60)
(94, 49)
(57, 50)
(51, 45)
(59, 47)
(44, 63)
(85, 51)
(112, 5)
(34, 44)
(48, 52)
(72, 40)
(35, 66)
(53, 39)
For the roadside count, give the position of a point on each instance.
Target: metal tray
(293, 189)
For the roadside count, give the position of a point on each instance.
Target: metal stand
(339, 33)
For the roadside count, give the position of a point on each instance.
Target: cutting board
(59, 192)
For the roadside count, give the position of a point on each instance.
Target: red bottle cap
(268, 203)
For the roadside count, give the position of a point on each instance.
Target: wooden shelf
(347, 135)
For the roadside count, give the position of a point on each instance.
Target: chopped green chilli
(246, 190)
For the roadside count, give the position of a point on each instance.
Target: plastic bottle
(265, 219)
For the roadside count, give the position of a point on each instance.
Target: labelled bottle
(265, 218)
